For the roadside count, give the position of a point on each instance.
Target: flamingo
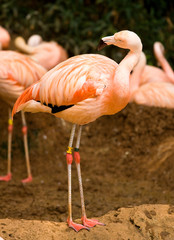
(162, 61)
(48, 54)
(17, 72)
(80, 90)
(153, 74)
(143, 73)
(4, 38)
(157, 91)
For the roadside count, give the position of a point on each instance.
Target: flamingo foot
(91, 222)
(6, 178)
(75, 226)
(26, 180)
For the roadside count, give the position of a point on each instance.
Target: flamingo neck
(126, 66)
(121, 84)
(136, 75)
(159, 54)
(130, 60)
(166, 67)
(22, 46)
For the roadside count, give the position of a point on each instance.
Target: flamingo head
(123, 39)
(34, 40)
(158, 47)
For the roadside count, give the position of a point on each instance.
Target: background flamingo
(4, 38)
(17, 72)
(159, 91)
(48, 54)
(143, 73)
(80, 90)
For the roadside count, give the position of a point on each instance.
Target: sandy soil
(127, 161)
(136, 223)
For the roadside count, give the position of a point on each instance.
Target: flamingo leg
(69, 159)
(24, 130)
(10, 131)
(86, 222)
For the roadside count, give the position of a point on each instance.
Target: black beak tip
(101, 45)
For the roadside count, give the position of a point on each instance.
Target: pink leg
(69, 159)
(86, 222)
(24, 131)
(10, 131)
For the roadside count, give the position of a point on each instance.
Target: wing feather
(74, 80)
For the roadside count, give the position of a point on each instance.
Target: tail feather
(25, 97)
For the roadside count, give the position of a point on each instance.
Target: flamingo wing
(72, 81)
(19, 68)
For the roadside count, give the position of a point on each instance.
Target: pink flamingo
(17, 72)
(162, 61)
(4, 38)
(157, 91)
(48, 54)
(143, 73)
(80, 90)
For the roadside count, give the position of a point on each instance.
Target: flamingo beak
(106, 41)
(101, 45)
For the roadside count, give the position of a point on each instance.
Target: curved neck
(137, 73)
(122, 75)
(22, 46)
(163, 62)
(128, 63)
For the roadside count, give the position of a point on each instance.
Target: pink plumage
(80, 90)
(158, 94)
(48, 54)
(150, 85)
(4, 37)
(162, 61)
(17, 72)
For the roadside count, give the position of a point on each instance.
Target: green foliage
(78, 25)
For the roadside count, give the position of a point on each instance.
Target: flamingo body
(87, 82)
(159, 94)
(153, 74)
(17, 72)
(48, 54)
(80, 90)
(151, 86)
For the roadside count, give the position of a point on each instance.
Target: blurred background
(78, 25)
(127, 159)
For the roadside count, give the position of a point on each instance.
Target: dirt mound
(145, 222)
(126, 160)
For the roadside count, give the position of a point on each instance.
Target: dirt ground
(126, 159)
